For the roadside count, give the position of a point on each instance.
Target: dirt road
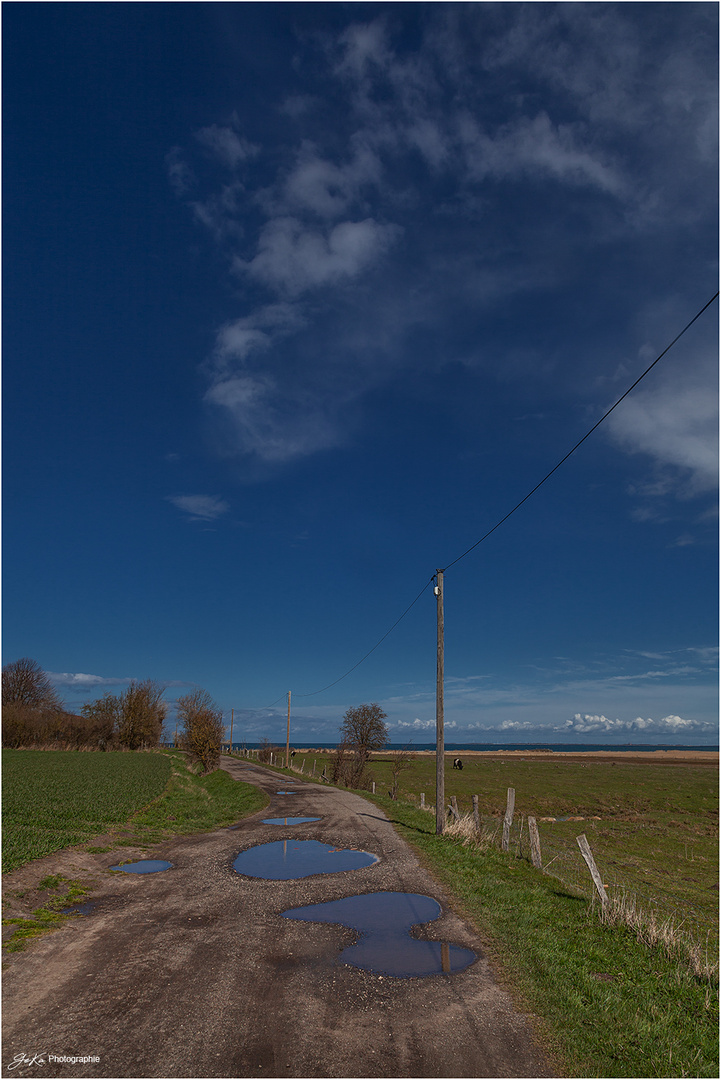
(194, 972)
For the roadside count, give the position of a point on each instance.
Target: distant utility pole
(231, 731)
(287, 737)
(440, 755)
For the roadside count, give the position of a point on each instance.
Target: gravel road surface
(195, 973)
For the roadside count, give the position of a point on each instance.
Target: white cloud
(81, 681)
(536, 146)
(677, 426)
(294, 258)
(200, 507)
(226, 145)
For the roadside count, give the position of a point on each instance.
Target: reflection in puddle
(288, 820)
(286, 792)
(384, 921)
(144, 866)
(282, 860)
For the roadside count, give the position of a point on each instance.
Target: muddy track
(194, 972)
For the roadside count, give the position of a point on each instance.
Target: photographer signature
(25, 1059)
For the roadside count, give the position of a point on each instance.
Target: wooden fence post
(476, 818)
(374, 787)
(535, 843)
(508, 818)
(454, 808)
(591, 864)
(314, 761)
(423, 800)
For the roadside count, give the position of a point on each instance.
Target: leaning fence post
(454, 808)
(591, 864)
(535, 843)
(476, 819)
(508, 818)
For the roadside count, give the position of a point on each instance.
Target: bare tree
(202, 728)
(141, 715)
(363, 730)
(25, 683)
(401, 761)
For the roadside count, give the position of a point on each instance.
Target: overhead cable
(580, 441)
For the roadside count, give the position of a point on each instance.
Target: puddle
(283, 860)
(80, 909)
(286, 792)
(288, 820)
(384, 921)
(144, 866)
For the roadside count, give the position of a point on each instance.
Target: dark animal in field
(457, 763)
(292, 753)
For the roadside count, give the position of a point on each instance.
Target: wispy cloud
(200, 507)
(325, 222)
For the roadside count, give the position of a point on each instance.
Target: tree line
(35, 717)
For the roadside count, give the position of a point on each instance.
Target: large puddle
(288, 820)
(144, 866)
(385, 946)
(283, 860)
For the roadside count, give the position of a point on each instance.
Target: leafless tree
(25, 683)
(202, 728)
(363, 730)
(401, 761)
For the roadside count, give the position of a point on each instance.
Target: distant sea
(561, 748)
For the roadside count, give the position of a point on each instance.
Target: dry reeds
(654, 931)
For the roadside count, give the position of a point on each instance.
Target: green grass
(64, 893)
(56, 799)
(606, 1004)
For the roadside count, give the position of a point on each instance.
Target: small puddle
(283, 860)
(144, 866)
(286, 792)
(384, 921)
(288, 820)
(80, 909)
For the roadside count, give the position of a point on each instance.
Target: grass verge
(606, 1004)
(64, 892)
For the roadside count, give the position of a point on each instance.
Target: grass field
(55, 799)
(653, 828)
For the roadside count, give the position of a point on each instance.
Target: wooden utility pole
(287, 737)
(231, 730)
(440, 752)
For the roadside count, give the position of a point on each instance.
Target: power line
(580, 441)
(395, 624)
(516, 507)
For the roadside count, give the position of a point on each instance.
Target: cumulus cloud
(598, 724)
(423, 725)
(200, 507)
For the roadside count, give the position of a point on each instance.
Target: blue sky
(301, 299)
